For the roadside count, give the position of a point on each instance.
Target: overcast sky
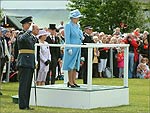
(34, 4)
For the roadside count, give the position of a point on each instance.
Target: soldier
(26, 23)
(54, 51)
(26, 62)
(84, 51)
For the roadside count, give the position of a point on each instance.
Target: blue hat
(1, 28)
(4, 31)
(75, 14)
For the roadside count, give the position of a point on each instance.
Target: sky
(33, 4)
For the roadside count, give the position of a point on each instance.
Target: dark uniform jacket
(84, 51)
(26, 41)
(16, 44)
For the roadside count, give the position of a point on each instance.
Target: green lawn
(139, 99)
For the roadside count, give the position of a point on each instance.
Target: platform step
(15, 99)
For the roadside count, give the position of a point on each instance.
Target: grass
(139, 91)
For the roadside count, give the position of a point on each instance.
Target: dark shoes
(76, 85)
(72, 85)
(28, 108)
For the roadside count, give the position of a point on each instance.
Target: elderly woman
(73, 35)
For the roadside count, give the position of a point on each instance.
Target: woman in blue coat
(73, 35)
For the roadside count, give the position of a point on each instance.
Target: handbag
(108, 72)
(6, 58)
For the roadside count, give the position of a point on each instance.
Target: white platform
(61, 96)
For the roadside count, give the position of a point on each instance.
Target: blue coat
(73, 35)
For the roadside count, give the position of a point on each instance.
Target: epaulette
(21, 32)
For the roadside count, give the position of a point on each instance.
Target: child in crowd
(13, 70)
(142, 68)
(120, 61)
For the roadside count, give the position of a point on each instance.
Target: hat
(42, 32)
(4, 31)
(52, 26)
(82, 59)
(26, 20)
(75, 14)
(1, 28)
(146, 32)
(88, 27)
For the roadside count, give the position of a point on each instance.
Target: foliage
(105, 15)
(139, 95)
(0, 15)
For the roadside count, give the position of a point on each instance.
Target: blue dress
(73, 35)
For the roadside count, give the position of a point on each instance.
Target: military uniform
(84, 53)
(26, 65)
(16, 45)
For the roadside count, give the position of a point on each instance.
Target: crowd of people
(138, 49)
(17, 47)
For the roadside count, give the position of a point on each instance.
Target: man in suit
(54, 51)
(84, 51)
(26, 62)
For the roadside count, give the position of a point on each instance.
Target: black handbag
(6, 58)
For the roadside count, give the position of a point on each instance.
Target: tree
(105, 15)
(0, 15)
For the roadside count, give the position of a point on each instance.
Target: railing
(90, 54)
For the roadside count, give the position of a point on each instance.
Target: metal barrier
(90, 54)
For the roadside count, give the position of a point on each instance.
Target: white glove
(31, 27)
(70, 51)
(83, 38)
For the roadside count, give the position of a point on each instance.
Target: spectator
(103, 58)
(117, 32)
(95, 58)
(142, 68)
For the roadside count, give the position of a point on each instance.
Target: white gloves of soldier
(70, 51)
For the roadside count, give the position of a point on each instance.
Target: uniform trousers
(2, 63)
(25, 80)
